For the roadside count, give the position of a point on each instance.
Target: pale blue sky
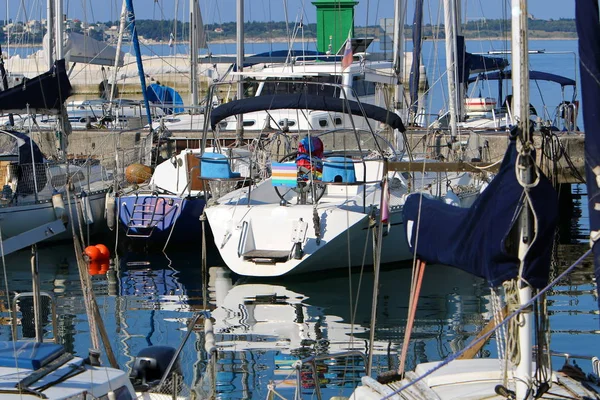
(370, 11)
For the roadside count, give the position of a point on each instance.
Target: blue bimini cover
(303, 101)
(30, 355)
(166, 97)
(480, 239)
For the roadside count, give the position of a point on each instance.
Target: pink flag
(347, 59)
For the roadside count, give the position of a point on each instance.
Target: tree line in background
(164, 30)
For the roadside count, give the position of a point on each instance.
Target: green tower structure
(335, 19)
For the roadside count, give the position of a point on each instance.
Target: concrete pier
(568, 164)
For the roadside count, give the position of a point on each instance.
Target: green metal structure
(335, 19)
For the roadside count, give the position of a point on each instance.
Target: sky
(219, 11)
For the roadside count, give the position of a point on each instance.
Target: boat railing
(38, 182)
(568, 356)
(19, 308)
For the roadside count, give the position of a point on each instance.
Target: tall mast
(123, 16)
(240, 67)
(451, 64)
(193, 53)
(138, 57)
(520, 79)
(399, 9)
(59, 29)
(50, 33)
(415, 73)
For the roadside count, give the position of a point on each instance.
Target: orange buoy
(94, 268)
(104, 252)
(104, 268)
(138, 173)
(92, 253)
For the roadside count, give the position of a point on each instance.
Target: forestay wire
(501, 324)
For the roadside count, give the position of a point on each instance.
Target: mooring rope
(504, 321)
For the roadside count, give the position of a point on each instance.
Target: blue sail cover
(167, 97)
(415, 69)
(471, 63)
(303, 101)
(588, 30)
(478, 239)
(260, 57)
(533, 76)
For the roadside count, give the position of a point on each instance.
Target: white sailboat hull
(17, 219)
(463, 379)
(259, 239)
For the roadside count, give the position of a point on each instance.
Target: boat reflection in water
(263, 329)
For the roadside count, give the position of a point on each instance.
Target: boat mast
(119, 45)
(415, 72)
(240, 68)
(520, 79)
(193, 54)
(138, 57)
(50, 33)
(451, 64)
(59, 26)
(399, 17)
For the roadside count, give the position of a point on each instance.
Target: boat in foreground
(35, 190)
(317, 209)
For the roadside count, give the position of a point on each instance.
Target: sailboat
(317, 207)
(518, 212)
(35, 189)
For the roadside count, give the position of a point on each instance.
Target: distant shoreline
(284, 40)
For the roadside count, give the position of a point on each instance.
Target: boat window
(289, 122)
(322, 123)
(249, 123)
(338, 121)
(296, 85)
(250, 87)
(362, 87)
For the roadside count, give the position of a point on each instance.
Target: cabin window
(249, 123)
(362, 87)
(322, 123)
(250, 87)
(338, 121)
(289, 122)
(296, 85)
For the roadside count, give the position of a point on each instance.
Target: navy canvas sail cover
(533, 76)
(45, 93)
(303, 101)
(473, 63)
(588, 30)
(477, 239)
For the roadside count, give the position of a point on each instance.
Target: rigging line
(504, 321)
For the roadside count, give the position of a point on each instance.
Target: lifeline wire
(504, 321)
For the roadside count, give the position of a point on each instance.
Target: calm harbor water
(263, 326)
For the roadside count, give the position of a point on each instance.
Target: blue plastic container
(216, 166)
(339, 169)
